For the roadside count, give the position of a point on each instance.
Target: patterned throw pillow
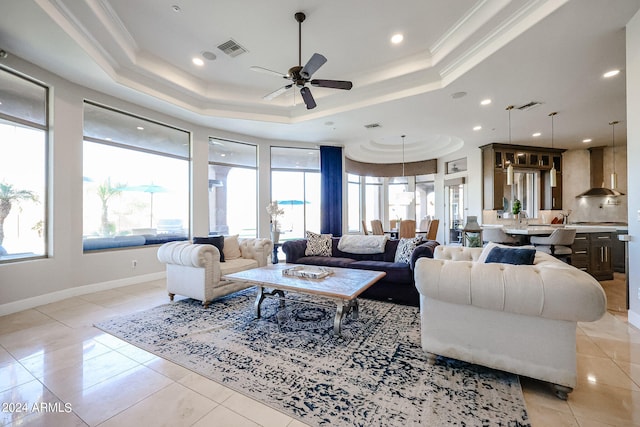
(405, 248)
(318, 244)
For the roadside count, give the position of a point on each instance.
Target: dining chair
(407, 228)
(393, 224)
(497, 235)
(432, 233)
(376, 227)
(364, 227)
(557, 244)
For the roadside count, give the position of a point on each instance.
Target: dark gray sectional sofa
(397, 286)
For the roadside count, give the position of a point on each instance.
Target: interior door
(454, 221)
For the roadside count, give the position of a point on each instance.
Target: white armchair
(195, 270)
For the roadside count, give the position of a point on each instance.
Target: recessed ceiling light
(140, 128)
(485, 102)
(210, 56)
(537, 134)
(397, 38)
(477, 127)
(611, 73)
(197, 61)
(223, 155)
(586, 140)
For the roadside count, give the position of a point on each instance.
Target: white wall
(633, 159)
(68, 271)
(576, 178)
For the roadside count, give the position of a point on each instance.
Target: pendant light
(614, 175)
(405, 197)
(510, 167)
(553, 173)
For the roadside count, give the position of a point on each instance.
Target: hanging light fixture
(405, 197)
(614, 175)
(510, 167)
(553, 173)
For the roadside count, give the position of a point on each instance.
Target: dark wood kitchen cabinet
(619, 252)
(497, 157)
(593, 253)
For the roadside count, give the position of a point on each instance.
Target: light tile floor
(58, 370)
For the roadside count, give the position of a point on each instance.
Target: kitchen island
(596, 248)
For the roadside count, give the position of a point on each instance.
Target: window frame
(45, 127)
(181, 154)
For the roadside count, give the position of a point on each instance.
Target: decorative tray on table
(308, 272)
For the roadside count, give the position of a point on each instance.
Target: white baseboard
(28, 303)
(633, 318)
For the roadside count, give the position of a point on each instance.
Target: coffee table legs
(262, 295)
(344, 307)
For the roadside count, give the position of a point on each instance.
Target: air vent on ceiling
(529, 106)
(232, 48)
(373, 125)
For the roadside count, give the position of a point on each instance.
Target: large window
(353, 204)
(425, 198)
(232, 188)
(23, 170)
(136, 180)
(398, 205)
(295, 185)
(373, 203)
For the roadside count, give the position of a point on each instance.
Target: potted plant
(516, 207)
(275, 211)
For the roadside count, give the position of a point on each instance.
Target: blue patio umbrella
(292, 202)
(148, 188)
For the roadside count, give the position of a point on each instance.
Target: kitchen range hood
(597, 177)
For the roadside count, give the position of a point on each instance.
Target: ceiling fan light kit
(301, 75)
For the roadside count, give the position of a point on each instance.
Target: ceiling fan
(300, 75)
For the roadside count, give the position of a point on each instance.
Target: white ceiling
(513, 52)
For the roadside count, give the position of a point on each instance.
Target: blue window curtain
(331, 190)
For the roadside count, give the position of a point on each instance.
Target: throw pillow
(516, 256)
(318, 244)
(405, 248)
(217, 241)
(231, 247)
(487, 249)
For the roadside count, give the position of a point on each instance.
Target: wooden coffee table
(343, 286)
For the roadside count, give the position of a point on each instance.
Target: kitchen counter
(545, 230)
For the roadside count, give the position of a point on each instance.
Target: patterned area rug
(374, 375)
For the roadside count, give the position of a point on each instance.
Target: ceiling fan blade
(333, 84)
(308, 98)
(312, 65)
(277, 92)
(268, 71)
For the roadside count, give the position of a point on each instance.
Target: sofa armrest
(258, 249)
(424, 250)
(188, 254)
(294, 249)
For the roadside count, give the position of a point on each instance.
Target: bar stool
(557, 244)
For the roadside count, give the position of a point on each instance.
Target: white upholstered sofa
(195, 270)
(516, 318)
